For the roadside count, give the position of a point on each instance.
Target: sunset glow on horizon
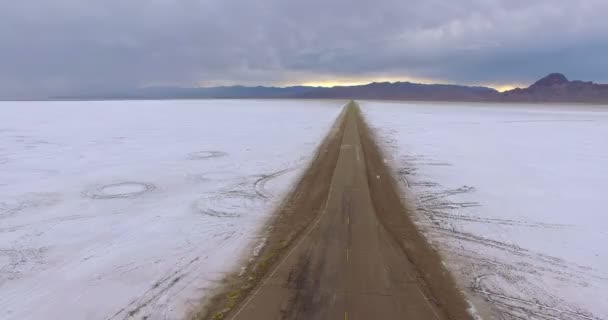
(328, 83)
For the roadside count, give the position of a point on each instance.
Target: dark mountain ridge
(557, 88)
(402, 91)
(553, 88)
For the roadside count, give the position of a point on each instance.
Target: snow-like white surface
(514, 196)
(116, 209)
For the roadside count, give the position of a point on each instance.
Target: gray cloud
(73, 46)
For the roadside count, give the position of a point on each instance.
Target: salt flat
(112, 210)
(512, 195)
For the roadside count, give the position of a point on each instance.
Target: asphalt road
(346, 265)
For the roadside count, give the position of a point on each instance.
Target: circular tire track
(120, 190)
(203, 155)
(214, 176)
(231, 201)
(260, 183)
(223, 205)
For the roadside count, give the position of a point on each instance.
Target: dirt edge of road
(393, 213)
(304, 204)
(299, 208)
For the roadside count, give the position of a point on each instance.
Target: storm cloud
(72, 46)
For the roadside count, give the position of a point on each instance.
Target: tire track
(503, 269)
(249, 193)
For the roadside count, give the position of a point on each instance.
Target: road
(346, 265)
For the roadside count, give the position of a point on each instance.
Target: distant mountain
(404, 91)
(552, 88)
(557, 88)
(227, 92)
(381, 91)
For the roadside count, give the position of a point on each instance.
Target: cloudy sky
(55, 47)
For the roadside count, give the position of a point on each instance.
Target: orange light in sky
(333, 82)
(506, 87)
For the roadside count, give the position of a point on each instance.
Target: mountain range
(553, 88)
(557, 88)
